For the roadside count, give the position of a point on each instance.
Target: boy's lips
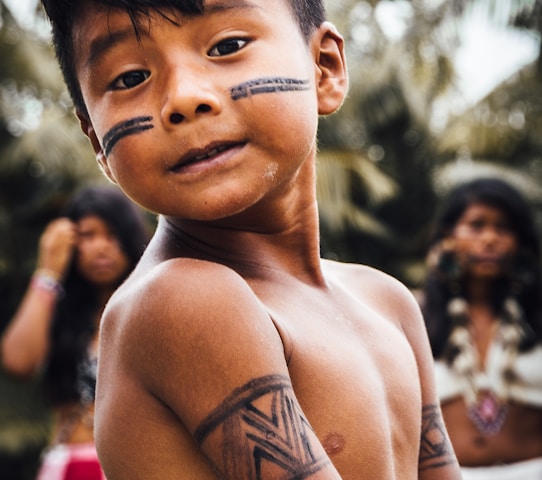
(202, 154)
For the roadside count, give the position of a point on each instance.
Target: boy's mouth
(203, 154)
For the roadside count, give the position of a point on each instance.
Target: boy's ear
(332, 77)
(88, 130)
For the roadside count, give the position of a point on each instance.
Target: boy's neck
(289, 248)
(277, 237)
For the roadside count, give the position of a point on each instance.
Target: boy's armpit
(435, 448)
(260, 432)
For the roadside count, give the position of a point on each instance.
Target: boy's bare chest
(353, 372)
(336, 329)
(354, 347)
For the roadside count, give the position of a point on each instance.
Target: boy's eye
(227, 47)
(130, 79)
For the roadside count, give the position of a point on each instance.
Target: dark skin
(234, 351)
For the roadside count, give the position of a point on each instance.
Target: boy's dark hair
(310, 14)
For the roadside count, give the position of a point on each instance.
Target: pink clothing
(71, 462)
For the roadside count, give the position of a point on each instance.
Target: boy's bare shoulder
(181, 273)
(381, 291)
(368, 278)
(175, 290)
(178, 322)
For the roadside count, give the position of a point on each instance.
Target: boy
(234, 351)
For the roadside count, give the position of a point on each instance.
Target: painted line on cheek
(268, 85)
(122, 129)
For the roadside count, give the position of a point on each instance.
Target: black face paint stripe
(122, 129)
(268, 85)
(243, 90)
(261, 425)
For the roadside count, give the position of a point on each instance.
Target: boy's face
(203, 116)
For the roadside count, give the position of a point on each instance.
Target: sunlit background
(440, 91)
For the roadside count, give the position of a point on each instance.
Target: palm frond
(337, 171)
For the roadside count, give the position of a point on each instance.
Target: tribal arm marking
(122, 129)
(268, 85)
(263, 433)
(435, 448)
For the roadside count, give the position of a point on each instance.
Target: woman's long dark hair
(437, 292)
(74, 322)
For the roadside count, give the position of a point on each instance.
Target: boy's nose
(188, 97)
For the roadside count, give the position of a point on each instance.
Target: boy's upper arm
(203, 344)
(199, 325)
(436, 459)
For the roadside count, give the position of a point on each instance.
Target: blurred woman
(83, 257)
(483, 309)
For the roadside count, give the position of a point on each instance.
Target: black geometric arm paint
(435, 448)
(268, 85)
(122, 129)
(262, 433)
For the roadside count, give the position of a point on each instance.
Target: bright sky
(22, 9)
(490, 54)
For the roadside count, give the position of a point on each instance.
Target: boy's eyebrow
(227, 5)
(104, 42)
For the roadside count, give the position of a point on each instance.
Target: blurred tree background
(43, 158)
(417, 120)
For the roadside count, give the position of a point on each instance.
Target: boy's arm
(212, 355)
(437, 459)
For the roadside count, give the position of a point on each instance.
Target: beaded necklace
(486, 403)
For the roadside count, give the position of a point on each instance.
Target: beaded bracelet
(46, 281)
